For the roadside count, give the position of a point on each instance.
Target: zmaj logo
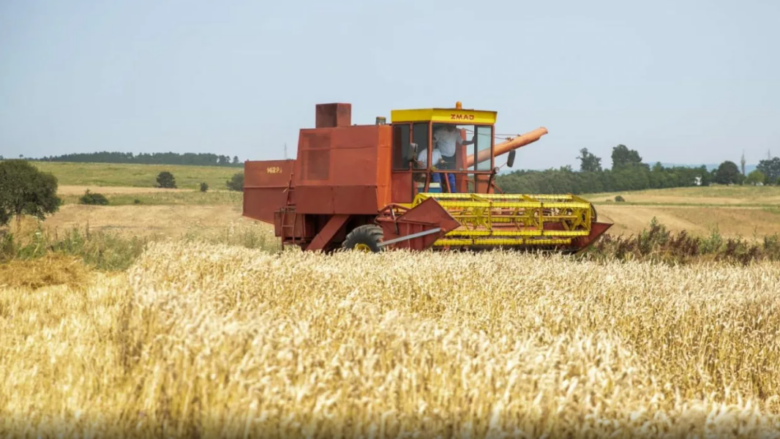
(461, 117)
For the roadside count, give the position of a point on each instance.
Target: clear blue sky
(684, 81)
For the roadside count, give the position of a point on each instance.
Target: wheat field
(97, 175)
(200, 340)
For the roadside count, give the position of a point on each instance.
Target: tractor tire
(364, 238)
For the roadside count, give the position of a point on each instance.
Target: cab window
(420, 136)
(401, 147)
(483, 142)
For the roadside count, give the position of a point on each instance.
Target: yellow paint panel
(444, 115)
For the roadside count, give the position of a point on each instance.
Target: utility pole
(285, 150)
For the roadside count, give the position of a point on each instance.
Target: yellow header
(444, 115)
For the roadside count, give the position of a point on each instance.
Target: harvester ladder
(288, 208)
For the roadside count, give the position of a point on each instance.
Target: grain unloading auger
(381, 186)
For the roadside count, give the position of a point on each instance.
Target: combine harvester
(370, 187)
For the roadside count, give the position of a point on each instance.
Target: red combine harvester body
(375, 187)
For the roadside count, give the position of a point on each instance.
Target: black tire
(365, 238)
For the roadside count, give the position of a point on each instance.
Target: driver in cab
(448, 138)
(436, 158)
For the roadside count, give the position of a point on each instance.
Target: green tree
(204, 187)
(24, 190)
(755, 177)
(166, 180)
(728, 173)
(622, 157)
(588, 161)
(771, 169)
(236, 183)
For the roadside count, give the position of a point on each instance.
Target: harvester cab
(444, 150)
(426, 180)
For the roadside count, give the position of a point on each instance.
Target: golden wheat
(205, 340)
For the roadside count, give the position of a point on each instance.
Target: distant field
(110, 174)
(746, 222)
(713, 195)
(745, 211)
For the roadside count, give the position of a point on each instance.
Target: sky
(683, 81)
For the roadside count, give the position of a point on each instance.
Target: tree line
(156, 158)
(629, 173)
